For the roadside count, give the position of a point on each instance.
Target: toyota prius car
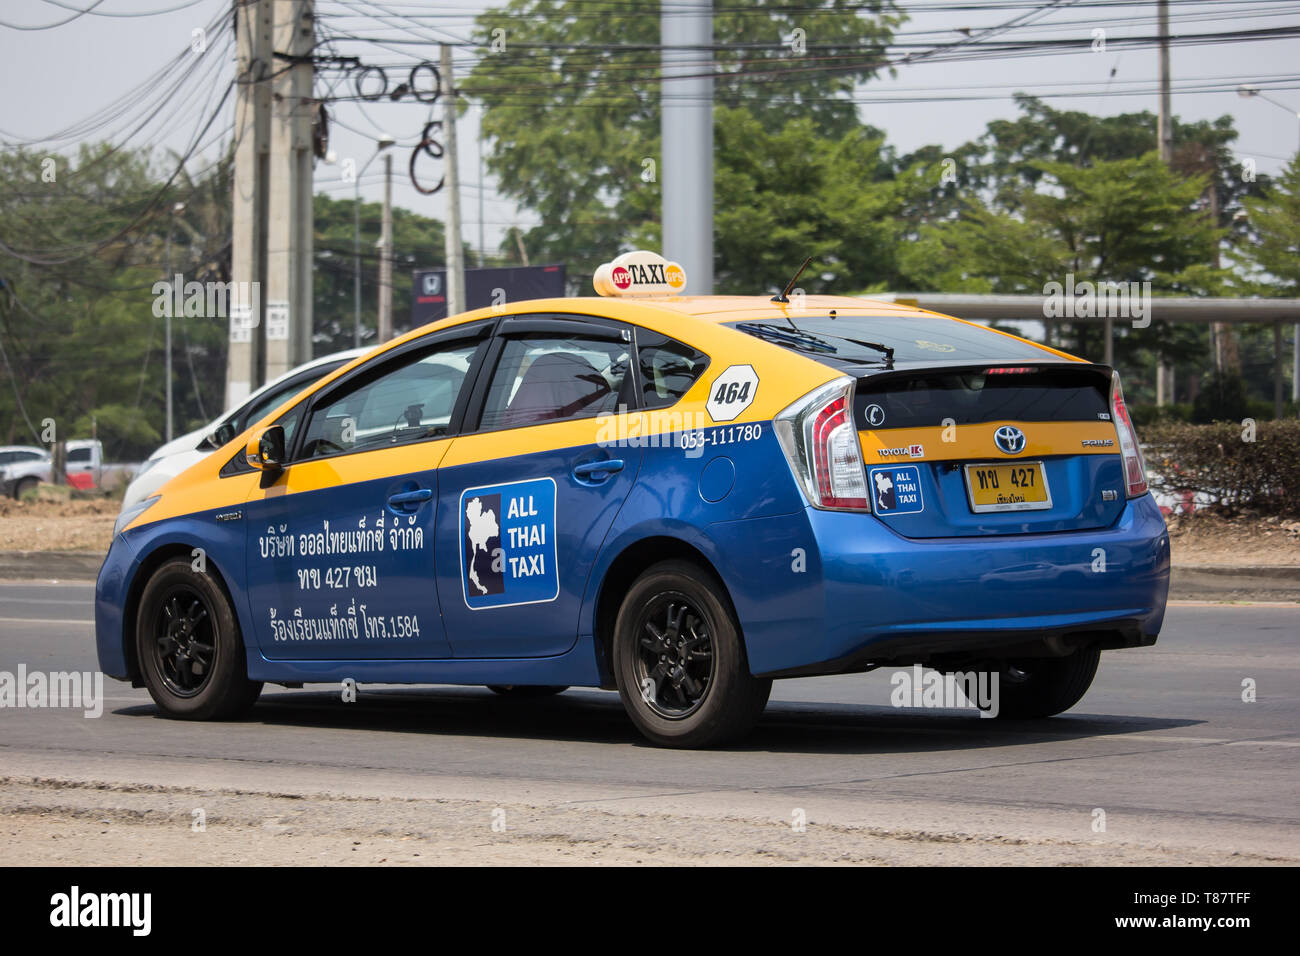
(680, 497)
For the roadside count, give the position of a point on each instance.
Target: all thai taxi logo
(896, 490)
(507, 534)
(1010, 439)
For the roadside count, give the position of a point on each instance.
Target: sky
(57, 78)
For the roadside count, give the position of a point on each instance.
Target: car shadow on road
(583, 715)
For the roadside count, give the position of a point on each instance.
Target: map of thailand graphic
(482, 542)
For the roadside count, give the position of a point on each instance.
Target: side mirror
(220, 435)
(265, 450)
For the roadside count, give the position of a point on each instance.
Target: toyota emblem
(1009, 439)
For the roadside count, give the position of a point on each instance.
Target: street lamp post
(383, 143)
(1246, 92)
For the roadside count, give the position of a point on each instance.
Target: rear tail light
(1135, 469)
(821, 443)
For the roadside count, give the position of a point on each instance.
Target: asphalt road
(1163, 752)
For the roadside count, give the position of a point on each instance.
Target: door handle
(598, 470)
(410, 497)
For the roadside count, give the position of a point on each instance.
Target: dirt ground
(63, 524)
(86, 524)
(73, 823)
(1207, 539)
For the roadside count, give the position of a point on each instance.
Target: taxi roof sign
(639, 273)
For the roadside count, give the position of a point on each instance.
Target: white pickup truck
(23, 467)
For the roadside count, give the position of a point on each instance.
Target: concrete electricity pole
(1165, 137)
(177, 209)
(1165, 129)
(686, 163)
(289, 225)
(384, 327)
(245, 359)
(383, 143)
(482, 244)
(455, 248)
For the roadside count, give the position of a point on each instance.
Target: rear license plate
(1018, 486)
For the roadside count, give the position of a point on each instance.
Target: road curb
(1219, 583)
(63, 565)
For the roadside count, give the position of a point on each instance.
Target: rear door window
(543, 378)
(668, 368)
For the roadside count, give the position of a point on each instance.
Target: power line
(124, 15)
(50, 26)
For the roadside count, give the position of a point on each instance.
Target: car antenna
(784, 294)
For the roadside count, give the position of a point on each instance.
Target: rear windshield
(850, 339)
(918, 399)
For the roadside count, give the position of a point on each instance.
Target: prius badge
(1009, 439)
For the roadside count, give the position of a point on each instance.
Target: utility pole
(245, 359)
(385, 319)
(167, 335)
(1165, 128)
(482, 188)
(289, 226)
(686, 160)
(1165, 135)
(384, 142)
(167, 326)
(455, 248)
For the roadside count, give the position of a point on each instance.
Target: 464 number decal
(732, 392)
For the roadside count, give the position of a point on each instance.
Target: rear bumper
(869, 596)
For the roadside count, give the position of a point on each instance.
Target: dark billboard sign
(483, 287)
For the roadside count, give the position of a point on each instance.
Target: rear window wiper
(885, 349)
(795, 338)
(803, 341)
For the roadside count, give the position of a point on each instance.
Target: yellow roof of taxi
(723, 308)
(718, 309)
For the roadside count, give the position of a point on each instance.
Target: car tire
(189, 646)
(676, 630)
(526, 691)
(23, 486)
(1038, 687)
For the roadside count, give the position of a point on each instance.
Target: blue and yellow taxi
(680, 497)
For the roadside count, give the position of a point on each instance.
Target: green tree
(1275, 218)
(1011, 153)
(85, 246)
(418, 243)
(572, 101)
(1129, 220)
(786, 193)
